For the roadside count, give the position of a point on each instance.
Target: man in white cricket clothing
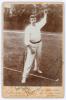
(34, 45)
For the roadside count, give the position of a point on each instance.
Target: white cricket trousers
(35, 57)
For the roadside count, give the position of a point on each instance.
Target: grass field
(51, 61)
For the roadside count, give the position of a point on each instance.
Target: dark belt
(35, 42)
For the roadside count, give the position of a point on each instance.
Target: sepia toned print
(33, 49)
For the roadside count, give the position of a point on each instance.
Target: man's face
(33, 20)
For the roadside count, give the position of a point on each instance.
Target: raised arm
(43, 21)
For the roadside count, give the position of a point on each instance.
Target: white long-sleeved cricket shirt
(33, 32)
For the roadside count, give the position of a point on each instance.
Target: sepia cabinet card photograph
(33, 45)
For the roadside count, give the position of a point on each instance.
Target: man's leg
(39, 52)
(36, 68)
(37, 59)
(35, 65)
(28, 65)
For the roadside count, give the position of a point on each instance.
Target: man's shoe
(23, 80)
(38, 70)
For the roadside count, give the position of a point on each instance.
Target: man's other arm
(27, 39)
(27, 36)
